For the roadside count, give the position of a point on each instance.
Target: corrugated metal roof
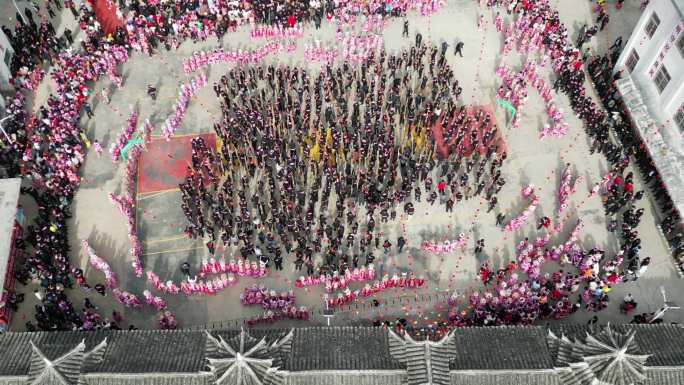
(500, 348)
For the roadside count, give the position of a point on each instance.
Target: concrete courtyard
(530, 160)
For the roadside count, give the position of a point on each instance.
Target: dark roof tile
(337, 348)
(328, 348)
(500, 348)
(154, 351)
(656, 340)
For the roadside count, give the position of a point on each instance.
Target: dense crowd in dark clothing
(619, 122)
(307, 162)
(286, 173)
(48, 150)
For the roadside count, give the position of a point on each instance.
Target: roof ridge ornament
(66, 369)
(426, 361)
(606, 356)
(245, 360)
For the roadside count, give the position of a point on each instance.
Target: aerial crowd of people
(309, 162)
(281, 188)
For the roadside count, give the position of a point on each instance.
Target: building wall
(6, 52)
(663, 105)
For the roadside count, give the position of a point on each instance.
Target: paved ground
(530, 160)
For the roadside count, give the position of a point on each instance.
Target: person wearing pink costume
(98, 148)
(203, 287)
(240, 268)
(185, 287)
(206, 268)
(232, 266)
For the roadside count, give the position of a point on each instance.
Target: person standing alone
(459, 49)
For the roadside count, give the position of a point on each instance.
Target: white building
(10, 228)
(6, 52)
(652, 87)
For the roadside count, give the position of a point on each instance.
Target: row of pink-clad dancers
(101, 265)
(277, 31)
(532, 255)
(268, 299)
(359, 48)
(513, 89)
(373, 23)
(270, 316)
(240, 267)
(125, 135)
(354, 49)
(319, 52)
(191, 286)
(126, 298)
(517, 222)
(202, 59)
(209, 286)
(446, 246)
(187, 91)
(559, 127)
(566, 188)
(405, 281)
(158, 303)
(334, 281)
(125, 202)
(529, 31)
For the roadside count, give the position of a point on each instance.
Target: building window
(652, 25)
(680, 44)
(679, 118)
(632, 60)
(662, 78)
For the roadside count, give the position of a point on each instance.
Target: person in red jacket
(629, 187)
(441, 186)
(291, 20)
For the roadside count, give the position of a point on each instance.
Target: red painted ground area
(445, 146)
(105, 13)
(163, 165)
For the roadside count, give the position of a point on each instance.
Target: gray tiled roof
(426, 361)
(500, 348)
(656, 340)
(322, 356)
(604, 355)
(12, 380)
(662, 376)
(154, 351)
(342, 378)
(147, 379)
(542, 377)
(336, 348)
(16, 348)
